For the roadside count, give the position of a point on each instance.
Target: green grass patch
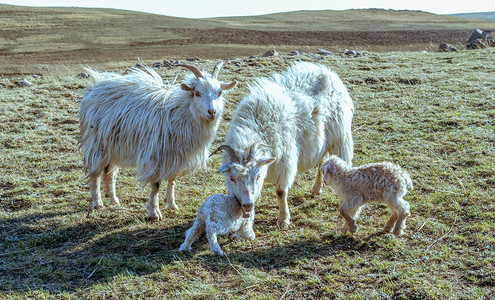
(431, 113)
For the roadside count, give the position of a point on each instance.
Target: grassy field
(432, 113)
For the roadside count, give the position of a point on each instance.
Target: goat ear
(265, 161)
(228, 86)
(185, 87)
(225, 168)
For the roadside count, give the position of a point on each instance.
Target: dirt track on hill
(303, 38)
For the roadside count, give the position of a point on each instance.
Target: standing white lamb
(304, 114)
(376, 182)
(221, 214)
(137, 121)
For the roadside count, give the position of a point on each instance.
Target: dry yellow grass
(431, 113)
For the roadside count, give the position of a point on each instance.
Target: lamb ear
(228, 86)
(225, 168)
(265, 161)
(185, 87)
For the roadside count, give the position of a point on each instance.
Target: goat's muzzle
(246, 210)
(211, 114)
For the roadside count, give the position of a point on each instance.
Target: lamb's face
(330, 169)
(334, 169)
(206, 96)
(246, 182)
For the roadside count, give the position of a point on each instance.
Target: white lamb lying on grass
(220, 215)
(376, 182)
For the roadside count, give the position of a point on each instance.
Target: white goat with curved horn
(305, 113)
(137, 121)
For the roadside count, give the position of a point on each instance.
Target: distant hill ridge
(72, 35)
(489, 15)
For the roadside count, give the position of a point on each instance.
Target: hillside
(33, 37)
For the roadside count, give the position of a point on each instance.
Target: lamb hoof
(155, 215)
(251, 236)
(387, 229)
(219, 252)
(171, 206)
(398, 232)
(237, 236)
(184, 247)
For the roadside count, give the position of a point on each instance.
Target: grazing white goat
(136, 121)
(304, 113)
(377, 182)
(222, 214)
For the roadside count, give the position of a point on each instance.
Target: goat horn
(230, 151)
(253, 149)
(217, 68)
(193, 69)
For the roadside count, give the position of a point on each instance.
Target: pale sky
(221, 8)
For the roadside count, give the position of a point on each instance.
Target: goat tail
(323, 83)
(94, 75)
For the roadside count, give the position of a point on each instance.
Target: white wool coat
(137, 121)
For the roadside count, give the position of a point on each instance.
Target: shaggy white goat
(304, 113)
(377, 182)
(222, 214)
(136, 121)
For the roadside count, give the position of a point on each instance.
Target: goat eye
(197, 94)
(258, 177)
(232, 179)
(219, 93)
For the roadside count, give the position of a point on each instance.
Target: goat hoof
(172, 206)
(315, 191)
(98, 205)
(283, 223)
(156, 215)
(115, 202)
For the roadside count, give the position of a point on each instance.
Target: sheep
(358, 186)
(305, 114)
(136, 121)
(221, 214)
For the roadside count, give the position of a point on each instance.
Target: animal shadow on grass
(287, 255)
(43, 251)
